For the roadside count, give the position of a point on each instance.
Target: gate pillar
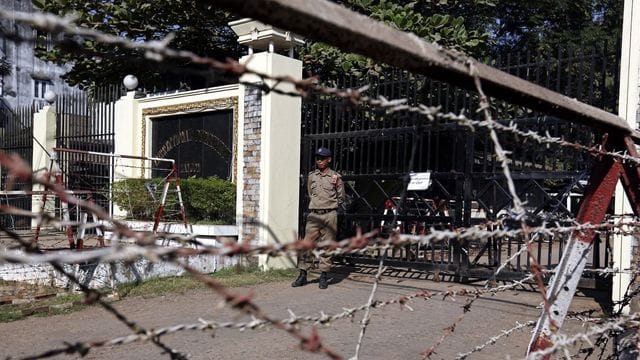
(44, 140)
(127, 132)
(628, 109)
(268, 140)
(127, 129)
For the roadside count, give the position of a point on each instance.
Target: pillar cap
(258, 35)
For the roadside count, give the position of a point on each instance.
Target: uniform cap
(323, 151)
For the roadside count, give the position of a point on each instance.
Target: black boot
(301, 280)
(322, 283)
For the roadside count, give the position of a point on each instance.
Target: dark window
(42, 40)
(40, 87)
(200, 143)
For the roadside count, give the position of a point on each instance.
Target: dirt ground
(393, 333)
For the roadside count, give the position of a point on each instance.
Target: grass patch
(230, 277)
(10, 313)
(66, 303)
(61, 304)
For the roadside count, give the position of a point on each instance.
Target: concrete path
(394, 332)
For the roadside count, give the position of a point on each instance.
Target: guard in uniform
(326, 193)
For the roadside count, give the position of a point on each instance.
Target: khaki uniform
(326, 194)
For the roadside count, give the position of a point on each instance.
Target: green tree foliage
(195, 25)
(480, 28)
(201, 28)
(433, 23)
(549, 24)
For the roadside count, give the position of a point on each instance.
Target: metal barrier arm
(600, 190)
(631, 177)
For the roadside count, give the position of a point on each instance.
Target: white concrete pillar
(270, 154)
(127, 140)
(628, 110)
(128, 126)
(44, 140)
(268, 140)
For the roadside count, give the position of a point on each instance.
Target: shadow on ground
(343, 270)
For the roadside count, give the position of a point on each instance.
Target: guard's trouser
(321, 227)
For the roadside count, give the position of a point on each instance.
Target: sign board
(419, 181)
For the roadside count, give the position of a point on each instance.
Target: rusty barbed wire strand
(244, 304)
(359, 244)
(494, 339)
(517, 203)
(158, 50)
(562, 342)
(501, 154)
(476, 232)
(355, 245)
(447, 331)
(404, 299)
(323, 319)
(366, 318)
(393, 105)
(92, 296)
(518, 209)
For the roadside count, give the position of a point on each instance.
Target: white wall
(44, 140)
(628, 110)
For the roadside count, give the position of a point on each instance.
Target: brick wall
(251, 167)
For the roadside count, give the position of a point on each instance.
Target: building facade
(28, 78)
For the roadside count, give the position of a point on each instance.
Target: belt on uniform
(321, 211)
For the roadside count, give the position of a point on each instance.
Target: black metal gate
(17, 128)
(86, 121)
(375, 150)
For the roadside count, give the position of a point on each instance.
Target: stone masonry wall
(251, 167)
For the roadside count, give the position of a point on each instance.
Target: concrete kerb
(109, 275)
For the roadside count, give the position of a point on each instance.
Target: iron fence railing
(17, 137)
(86, 121)
(372, 149)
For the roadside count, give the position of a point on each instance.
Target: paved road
(394, 333)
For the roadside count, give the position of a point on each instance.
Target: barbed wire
(83, 348)
(494, 339)
(243, 303)
(518, 209)
(359, 244)
(366, 318)
(345, 247)
(350, 312)
(294, 319)
(158, 50)
(562, 342)
(143, 243)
